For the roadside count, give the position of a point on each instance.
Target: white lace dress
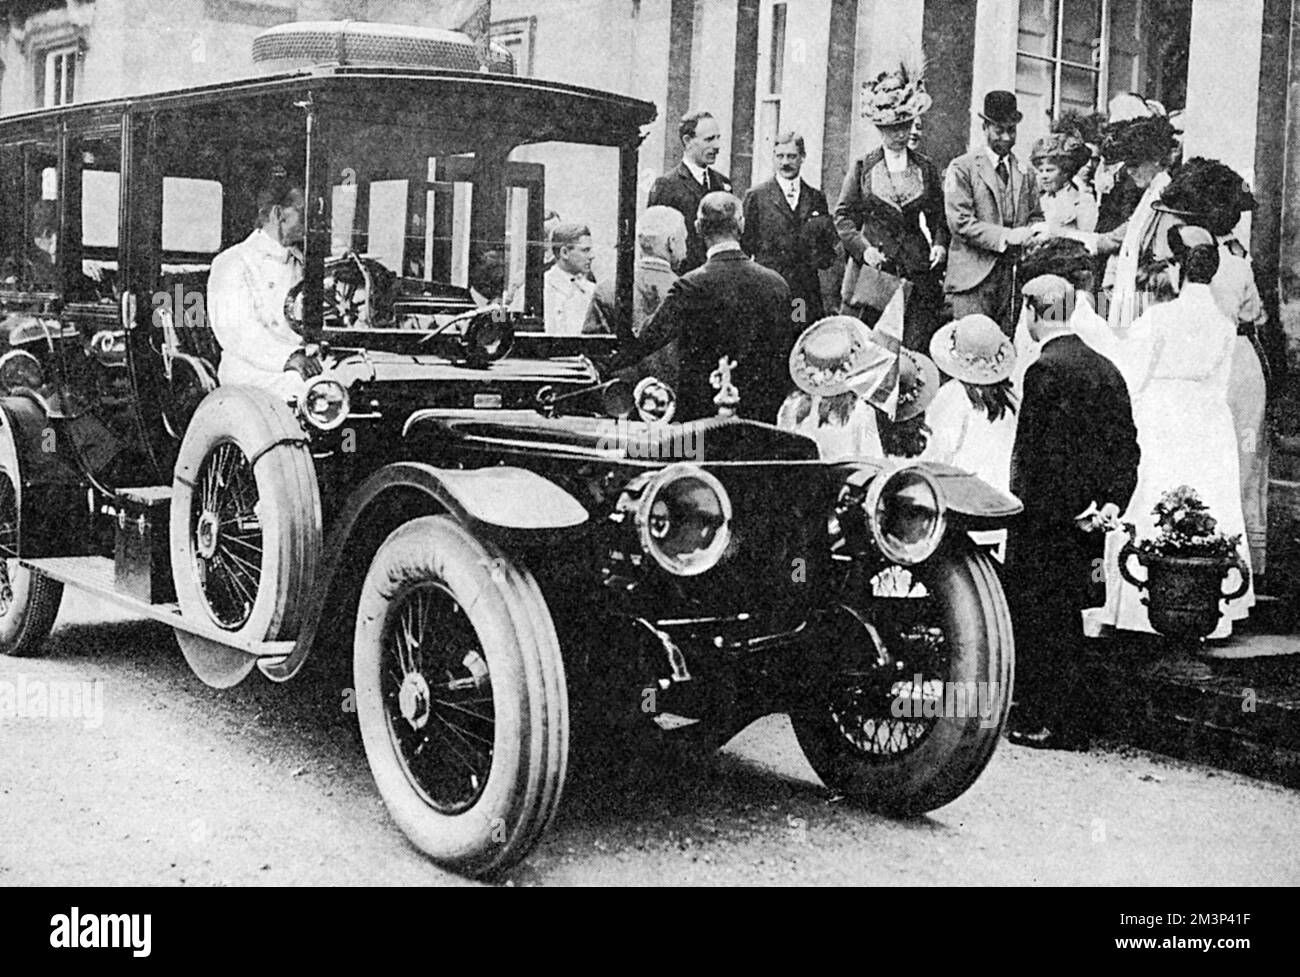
(1186, 434)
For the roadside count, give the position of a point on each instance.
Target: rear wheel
(460, 695)
(29, 602)
(913, 712)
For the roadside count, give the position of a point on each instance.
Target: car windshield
(450, 219)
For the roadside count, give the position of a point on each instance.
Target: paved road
(182, 784)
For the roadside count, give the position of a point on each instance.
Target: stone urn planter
(1187, 565)
(1183, 592)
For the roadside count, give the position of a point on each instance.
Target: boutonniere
(815, 213)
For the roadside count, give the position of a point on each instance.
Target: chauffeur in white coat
(246, 290)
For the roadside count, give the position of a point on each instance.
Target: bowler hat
(1000, 108)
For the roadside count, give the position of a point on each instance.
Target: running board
(95, 575)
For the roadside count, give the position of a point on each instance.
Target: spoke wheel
(29, 602)
(913, 710)
(460, 695)
(245, 528)
(227, 543)
(437, 691)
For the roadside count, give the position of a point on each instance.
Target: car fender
(53, 495)
(499, 497)
(969, 499)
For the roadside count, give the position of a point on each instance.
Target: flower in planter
(1185, 527)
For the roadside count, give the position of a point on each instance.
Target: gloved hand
(305, 362)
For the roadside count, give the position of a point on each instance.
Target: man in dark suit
(1074, 467)
(730, 307)
(991, 200)
(683, 187)
(788, 228)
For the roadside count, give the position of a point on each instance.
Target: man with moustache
(991, 200)
(684, 187)
(788, 228)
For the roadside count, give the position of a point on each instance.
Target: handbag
(866, 285)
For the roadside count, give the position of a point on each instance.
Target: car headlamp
(684, 520)
(325, 403)
(906, 513)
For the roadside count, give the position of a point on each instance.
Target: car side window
(92, 222)
(30, 216)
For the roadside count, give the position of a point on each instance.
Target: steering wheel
(347, 292)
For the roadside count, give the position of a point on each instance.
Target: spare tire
(245, 527)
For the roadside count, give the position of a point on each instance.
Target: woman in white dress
(1184, 426)
(1208, 193)
(973, 417)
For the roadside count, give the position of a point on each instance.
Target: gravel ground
(266, 784)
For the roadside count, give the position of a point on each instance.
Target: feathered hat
(1141, 140)
(1212, 194)
(896, 96)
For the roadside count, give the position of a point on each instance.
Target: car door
(98, 399)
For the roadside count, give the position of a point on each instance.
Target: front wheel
(460, 695)
(912, 713)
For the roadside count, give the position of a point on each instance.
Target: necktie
(792, 195)
(705, 181)
(1004, 174)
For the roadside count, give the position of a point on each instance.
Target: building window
(56, 76)
(516, 36)
(772, 86)
(1061, 59)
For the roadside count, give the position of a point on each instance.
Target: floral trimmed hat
(1064, 149)
(974, 349)
(895, 97)
(829, 353)
(918, 384)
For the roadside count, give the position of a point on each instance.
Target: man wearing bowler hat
(991, 200)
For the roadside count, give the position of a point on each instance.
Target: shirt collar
(722, 246)
(696, 171)
(568, 277)
(270, 247)
(788, 185)
(654, 261)
(995, 158)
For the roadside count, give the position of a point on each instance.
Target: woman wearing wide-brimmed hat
(973, 418)
(1144, 145)
(1207, 193)
(887, 195)
(835, 364)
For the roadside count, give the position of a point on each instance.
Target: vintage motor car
(505, 541)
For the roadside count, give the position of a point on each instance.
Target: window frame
(73, 52)
(1100, 70)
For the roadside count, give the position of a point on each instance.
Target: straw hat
(830, 352)
(918, 384)
(974, 349)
